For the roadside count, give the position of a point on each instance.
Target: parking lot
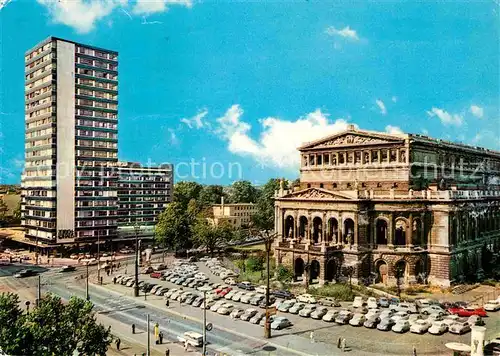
(359, 337)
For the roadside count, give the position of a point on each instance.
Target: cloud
(381, 106)
(4, 3)
(174, 140)
(394, 130)
(394, 99)
(445, 117)
(346, 32)
(425, 132)
(477, 111)
(197, 120)
(279, 139)
(147, 7)
(82, 15)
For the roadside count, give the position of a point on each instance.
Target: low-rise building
(237, 214)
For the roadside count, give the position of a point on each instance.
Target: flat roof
(52, 38)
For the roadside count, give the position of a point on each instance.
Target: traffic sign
(209, 326)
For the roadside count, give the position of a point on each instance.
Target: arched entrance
(348, 231)
(400, 234)
(303, 227)
(331, 270)
(333, 229)
(317, 229)
(289, 227)
(419, 271)
(298, 268)
(401, 271)
(382, 271)
(314, 270)
(381, 232)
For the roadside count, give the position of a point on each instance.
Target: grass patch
(260, 247)
(339, 291)
(490, 282)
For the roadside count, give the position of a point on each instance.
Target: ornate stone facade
(374, 206)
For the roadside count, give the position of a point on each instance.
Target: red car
(467, 311)
(223, 292)
(155, 275)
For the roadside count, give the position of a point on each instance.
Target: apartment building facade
(237, 215)
(69, 187)
(143, 193)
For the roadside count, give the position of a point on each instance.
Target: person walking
(339, 343)
(160, 335)
(414, 351)
(343, 345)
(133, 328)
(118, 342)
(185, 345)
(311, 336)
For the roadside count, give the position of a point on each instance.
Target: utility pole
(87, 283)
(39, 290)
(136, 286)
(149, 349)
(268, 240)
(204, 289)
(98, 257)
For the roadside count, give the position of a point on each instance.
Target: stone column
(309, 227)
(379, 156)
(297, 227)
(459, 227)
(409, 233)
(339, 230)
(397, 155)
(390, 237)
(370, 156)
(356, 220)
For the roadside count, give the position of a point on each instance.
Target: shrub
(339, 291)
(490, 282)
(284, 274)
(255, 263)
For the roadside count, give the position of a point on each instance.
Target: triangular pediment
(317, 194)
(353, 138)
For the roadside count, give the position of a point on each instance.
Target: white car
(261, 289)
(358, 302)
(248, 314)
(401, 326)
(374, 313)
(386, 314)
(307, 311)
(237, 296)
(225, 309)
(401, 316)
(410, 308)
(319, 313)
(246, 298)
(459, 328)
(330, 315)
(492, 305)
(414, 318)
(451, 319)
(236, 313)
(433, 309)
(438, 328)
(216, 306)
(285, 305)
(306, 298)
(420, 327)
(357, 320)
(371, 303)
(230, 295)
(297, 307)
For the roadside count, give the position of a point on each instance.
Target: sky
(227, 90)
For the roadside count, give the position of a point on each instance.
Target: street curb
(200, 321)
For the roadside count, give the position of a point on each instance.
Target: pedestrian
(167, 352)
(185, 345)
(133, 328)
(114, 280)
(167, 303)
(343, 345)
(108, 271)
(414, 351)
(161, 337)
(339, 343)
(118, 342)
(311, 336)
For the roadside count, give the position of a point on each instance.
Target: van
(192, 338)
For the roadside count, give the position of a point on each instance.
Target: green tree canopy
(184, 192)
(211, 194)
(210, 236)
(51, 328)
(263, 219)
(243, 192)
(173, 229)
(3, 212)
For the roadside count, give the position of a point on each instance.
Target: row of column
(465, 227)
(365, 157)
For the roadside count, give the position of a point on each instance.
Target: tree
(243, 192)
(211, 194)
(51, 328)
(3, 212)
(184, 192)
(16, 215)
(263, 219)
(173, 229)
(211, 236)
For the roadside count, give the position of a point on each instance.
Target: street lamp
(87, 282)
(204, 289)
(136, 284)
(98, 257)
(268, 241)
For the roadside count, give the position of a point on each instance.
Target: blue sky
(241, 84)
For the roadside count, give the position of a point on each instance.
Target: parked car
(272, 302)
(358, 302)
(475, 320)
(246, 298)
(255, 300)
(25, 273)
(307, 310)
(371, 322)
(459, 328)
(433, 309)
(261, 289)
(451, 319)
(286, 305)
(371, 303)
(402, 315)
(284, 294)
(386, 324)
(197, 302)
(329, 302)
(386, 314)
(297, 307)
(225, 309)
(257, 317)
(373, 313)
(147, 270)
(231, 281)
(330, 315)
(468, 311)
(319, 312)
(67, 269)
(248, 314)
(230, 295)
(208, 304)
(438, 328)
(155, 275)
(236, 313)
(246, 286)
(401, 326)
(182, 298)
(343, 317)
(216, 306)
(306, 298)
(422, 303)
(492, 305)
(280, 322)
(190, 299)
(420, 326)
(414, 318)
(383, 302)
(358, 319)
(410, 308)
(237, 296)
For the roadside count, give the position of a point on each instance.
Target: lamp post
(204, 289)
(87, 283)
(136, 284)
(28, 307)
(268, 240)
(98, 257)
